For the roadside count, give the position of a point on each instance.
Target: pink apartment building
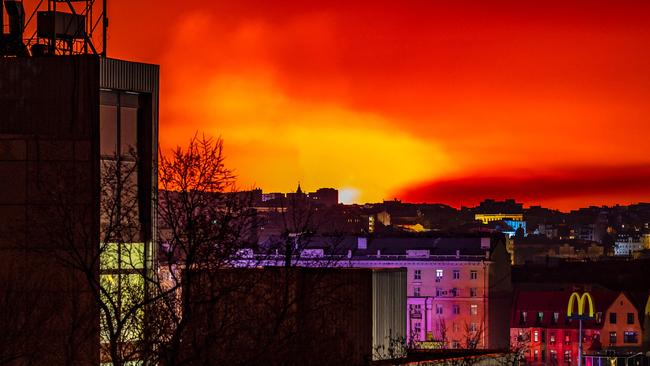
(459, 288)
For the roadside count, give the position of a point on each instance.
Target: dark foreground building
(64, 120)
(295, 316)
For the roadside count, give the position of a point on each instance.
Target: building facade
(67, 121)
(459, 288)
(543, 335)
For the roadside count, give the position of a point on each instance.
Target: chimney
(362, 243)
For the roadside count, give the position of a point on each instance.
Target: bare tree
(473, 335)
(202, 230)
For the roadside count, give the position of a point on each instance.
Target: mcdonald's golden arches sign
(577, 306)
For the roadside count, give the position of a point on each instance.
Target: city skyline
(405, 100)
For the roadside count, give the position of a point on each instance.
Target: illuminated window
(536, 355)
(612, 337)
(535, 336)
(439, 275)
(540, 317)
(123, 286)
(473, 275)
(417, 274)
(630, 337)
(551, 339)
(473, 309)
(456, 274)
(553, 355)
(567, 356)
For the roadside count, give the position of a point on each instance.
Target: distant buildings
(541, 249)
(544, 334)
(458, 287)
(628, 244)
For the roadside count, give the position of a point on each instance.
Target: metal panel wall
(388, 306)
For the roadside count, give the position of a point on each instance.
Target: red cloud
(563, 188)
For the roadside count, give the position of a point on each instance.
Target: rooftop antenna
(55, 27)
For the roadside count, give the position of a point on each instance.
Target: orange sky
(440, 101)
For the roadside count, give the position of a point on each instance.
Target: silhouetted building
(325, 196)
(65, 121)
(295, 316)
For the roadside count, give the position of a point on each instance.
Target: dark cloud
(563, 188)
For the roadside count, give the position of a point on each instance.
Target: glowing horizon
(409, 100)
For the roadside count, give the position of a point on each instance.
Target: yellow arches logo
(581, 302)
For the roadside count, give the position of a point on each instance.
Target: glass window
(473, 309)
(630, 318)
(128, 131)
(612, 337)
(535, 336)
(473, 292)
(456, 274)
(107, 130)
(612, 318)
(416, 291)
(417, 274)
(439, 274)
(629, 337)
(473, 327)
(438, 308)
(456, 309)
(473, 275)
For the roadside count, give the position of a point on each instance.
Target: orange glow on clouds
(400, 98)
